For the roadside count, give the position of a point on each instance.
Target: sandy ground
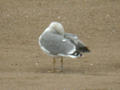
(23, 66)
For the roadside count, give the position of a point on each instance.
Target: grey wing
(70, 36)
(57, 44)
(74, 39)
(80, 46)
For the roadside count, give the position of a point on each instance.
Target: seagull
(57, 43)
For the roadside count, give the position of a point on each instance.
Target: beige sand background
(23, 66)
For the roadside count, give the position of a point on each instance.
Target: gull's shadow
(66, 70)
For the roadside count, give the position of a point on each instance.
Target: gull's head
(56, 26)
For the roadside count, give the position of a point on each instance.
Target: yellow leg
(61, 64)
(54, 62)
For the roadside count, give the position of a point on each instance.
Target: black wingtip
(84, 49)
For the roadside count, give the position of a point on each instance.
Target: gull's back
(55, 44)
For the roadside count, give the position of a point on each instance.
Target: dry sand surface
(23, 66)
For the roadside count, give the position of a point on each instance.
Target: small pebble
(58, 17)
(36, 64)
(91, 64)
